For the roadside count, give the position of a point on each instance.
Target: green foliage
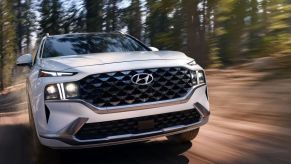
(112, 14)
(159, 25)
(214, 32)
(250, 29)
(51, 17)
(133, 20)
(278, 27)
(94, 15)
(7, 43)
(231, 29)
(25, 20)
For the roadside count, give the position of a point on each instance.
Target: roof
(84, 34)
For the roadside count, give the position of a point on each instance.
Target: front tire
(35, 141)
(40, 152)
(184, 137)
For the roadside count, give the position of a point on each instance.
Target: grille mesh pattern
(116, 88)
(131, 126)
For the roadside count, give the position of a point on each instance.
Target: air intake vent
(138, 125)
(47, 113)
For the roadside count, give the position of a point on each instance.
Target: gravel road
(250, 123)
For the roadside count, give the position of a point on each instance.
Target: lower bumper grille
(137, 125)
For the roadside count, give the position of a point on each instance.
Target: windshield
(90, 43)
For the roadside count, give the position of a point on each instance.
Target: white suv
(90, 90)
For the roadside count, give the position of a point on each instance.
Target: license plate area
(146, 125)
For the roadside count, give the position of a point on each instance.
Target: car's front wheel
(184, 137)
(35, 141)
(40, 152)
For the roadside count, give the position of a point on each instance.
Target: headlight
(52, 92)
(194, 77)
(62, 91)
(192, 63)
(44, 73)
(71, 90)
(201, 77)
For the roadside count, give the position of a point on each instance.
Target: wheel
(35, 141)
(184, 137)
(40, 152)
(37, 146)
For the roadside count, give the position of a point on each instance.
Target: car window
(88, 44)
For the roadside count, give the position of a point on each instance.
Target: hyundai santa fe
(98, 89)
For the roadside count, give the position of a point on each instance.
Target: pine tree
(80, 22)
(7, 43)
(25, 25)
(192, 24)
(178, 28)
(134, 19)
(278, 36)
(159, 25)
(51, 17)
(73, 20)
(1, 44)
(94, 15)
(29, 25)
(231, 28)
(112, 13)
(19, 24)
(254, 28)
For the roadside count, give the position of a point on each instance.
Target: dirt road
(250, 123)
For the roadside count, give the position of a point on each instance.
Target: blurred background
(217, 33)
(245, 46)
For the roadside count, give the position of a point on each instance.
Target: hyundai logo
(142, 78)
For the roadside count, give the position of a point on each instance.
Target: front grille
(116, 88)
(137, 125)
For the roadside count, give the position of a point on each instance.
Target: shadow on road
(150, 152)
(15, 144)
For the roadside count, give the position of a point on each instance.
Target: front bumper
(67, 135)
(66, 119)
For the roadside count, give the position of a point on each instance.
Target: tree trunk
(134, 22)
(94, 15)
(193, 32)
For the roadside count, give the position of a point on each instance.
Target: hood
(68, 62)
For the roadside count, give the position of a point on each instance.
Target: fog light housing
(71, 90)
(52, 92)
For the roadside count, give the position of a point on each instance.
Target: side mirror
(24, 60)
(154, 49)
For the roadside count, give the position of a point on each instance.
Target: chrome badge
(142, 79)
